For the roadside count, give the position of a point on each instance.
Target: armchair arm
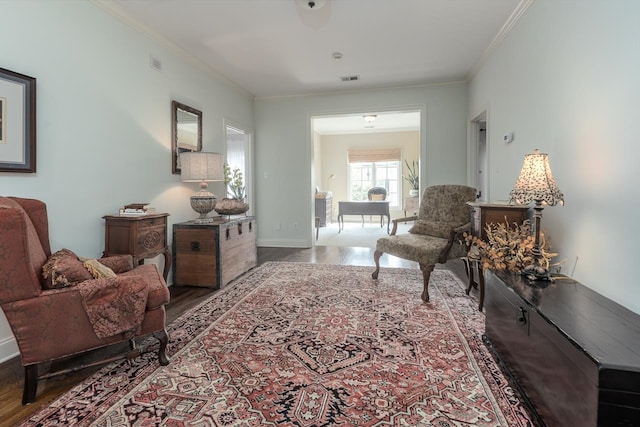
(461, 229)
(118, 263)
(56, 323)
(398, 220)
(442, 258)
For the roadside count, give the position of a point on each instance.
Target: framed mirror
(186, 131)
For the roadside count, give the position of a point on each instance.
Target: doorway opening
(353, 153)
(479, 156)
(238, 156)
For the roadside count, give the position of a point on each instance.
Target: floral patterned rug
(297, 344)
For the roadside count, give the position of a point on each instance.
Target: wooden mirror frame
(177, 146)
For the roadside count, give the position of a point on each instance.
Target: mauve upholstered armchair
(62, 309)
(436, 235)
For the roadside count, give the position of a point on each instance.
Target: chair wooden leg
(426, 274)
(30, 384)
(163, 337)
(376, 259)
(481, 283)
(472, 280)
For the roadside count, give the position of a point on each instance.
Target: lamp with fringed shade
(536, 184)
(198, 166)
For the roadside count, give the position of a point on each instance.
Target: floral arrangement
(234, 182)
(412, 176)
(508, 246)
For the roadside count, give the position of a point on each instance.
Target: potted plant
(234, 204)
(412, 178)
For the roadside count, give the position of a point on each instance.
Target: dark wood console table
(481, 215)
(365, 207)
(574, 353)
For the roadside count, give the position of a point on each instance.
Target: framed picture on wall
(17, 122)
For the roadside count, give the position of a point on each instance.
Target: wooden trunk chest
(213, 254)
(573, 352)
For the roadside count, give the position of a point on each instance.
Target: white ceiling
(277, 48)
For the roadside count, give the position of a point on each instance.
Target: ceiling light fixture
(369, 118)
(313, 4)
(337, 56)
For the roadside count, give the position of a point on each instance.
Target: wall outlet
(277, 227)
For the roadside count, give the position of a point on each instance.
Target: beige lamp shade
(536, 182)
(198, 166)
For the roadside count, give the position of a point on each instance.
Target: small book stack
(137, 209)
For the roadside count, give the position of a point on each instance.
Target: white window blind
(374, 155)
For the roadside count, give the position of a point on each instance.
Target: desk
(365, 207)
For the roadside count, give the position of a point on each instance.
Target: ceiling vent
(350, 78)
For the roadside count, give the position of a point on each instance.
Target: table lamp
(198, 166)
(536, 183)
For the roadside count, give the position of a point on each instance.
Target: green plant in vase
(234, 204)
(412, 177)
(234, 181)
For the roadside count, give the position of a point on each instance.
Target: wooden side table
(142, 237)
(411, 205)
(481, 215)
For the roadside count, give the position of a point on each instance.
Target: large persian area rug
(297, 344)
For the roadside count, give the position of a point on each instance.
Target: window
(375, 168)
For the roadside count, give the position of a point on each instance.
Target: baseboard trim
(283, 243)
(8, 349)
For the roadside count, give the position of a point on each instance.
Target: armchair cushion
(64, 268)
(440, 229)
(118, 263)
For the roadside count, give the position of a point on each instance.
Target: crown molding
(520, 9)
(366, 89)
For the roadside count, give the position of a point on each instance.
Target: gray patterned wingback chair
(436, 235)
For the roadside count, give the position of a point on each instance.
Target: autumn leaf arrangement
(507, 247)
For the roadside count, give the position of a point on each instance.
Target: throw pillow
(97, 270)
(433, 228)
(63, 268)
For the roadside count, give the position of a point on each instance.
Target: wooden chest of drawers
(142, 237)
(324, 209)
(213, 254)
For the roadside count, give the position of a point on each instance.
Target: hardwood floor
(182, 298)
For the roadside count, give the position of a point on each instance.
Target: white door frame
(473, 153)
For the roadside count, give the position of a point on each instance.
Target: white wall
(284, 150)
(566, 80)
(103, 119)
